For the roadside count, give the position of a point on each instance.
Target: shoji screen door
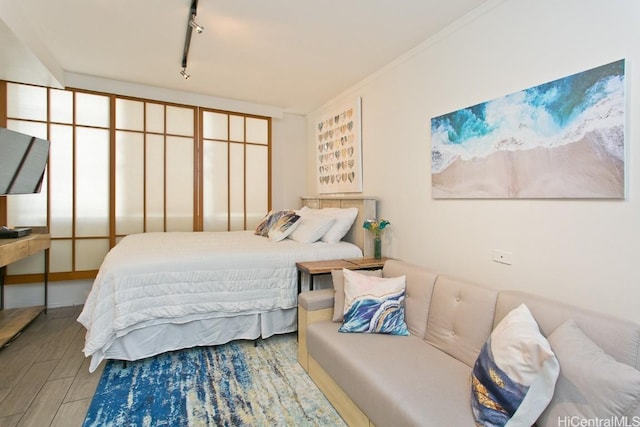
(235, 170)
(121, 165)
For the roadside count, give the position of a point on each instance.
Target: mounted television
(23, 159)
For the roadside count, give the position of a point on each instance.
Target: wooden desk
(314, 268)
(11, 250)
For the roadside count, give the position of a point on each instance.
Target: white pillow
(514, 377)
(344, 220)
(311, 228)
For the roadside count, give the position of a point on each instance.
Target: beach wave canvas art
(562, 139)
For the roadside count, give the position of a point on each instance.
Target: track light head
(199, 28)
(192, 25)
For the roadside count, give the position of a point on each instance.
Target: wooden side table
(315, 268)
(368, 263)
(14, 320)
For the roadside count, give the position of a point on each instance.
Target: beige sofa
(424, 379)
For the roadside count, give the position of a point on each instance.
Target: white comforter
(154, 278)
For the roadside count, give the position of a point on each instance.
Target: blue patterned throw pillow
(373, 305)
(514, 376)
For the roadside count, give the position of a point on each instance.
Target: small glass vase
(377, 247)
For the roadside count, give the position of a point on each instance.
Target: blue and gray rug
(235, 384)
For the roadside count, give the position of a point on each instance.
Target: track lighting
(192, 22)
(191, 25)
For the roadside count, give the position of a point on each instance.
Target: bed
(158, 292)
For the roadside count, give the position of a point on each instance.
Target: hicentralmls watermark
(576, 421)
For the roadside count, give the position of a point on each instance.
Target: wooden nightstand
(315, 268)
(14, 320)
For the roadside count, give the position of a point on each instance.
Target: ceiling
(291, 54)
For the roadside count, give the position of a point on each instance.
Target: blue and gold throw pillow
(373, 305)
(262, 229)
(284, 226)
(514, 376)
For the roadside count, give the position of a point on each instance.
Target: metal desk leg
(3, 272)
(46, 279)
(311, 277)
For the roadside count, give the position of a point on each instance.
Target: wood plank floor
(44, 377)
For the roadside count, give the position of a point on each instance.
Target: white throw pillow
(514, 377)
(344, 218)
(592, 385)
(311, 228)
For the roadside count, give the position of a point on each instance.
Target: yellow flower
(374, 226)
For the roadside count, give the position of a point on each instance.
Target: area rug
(236, 384)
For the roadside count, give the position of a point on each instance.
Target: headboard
(366, 210)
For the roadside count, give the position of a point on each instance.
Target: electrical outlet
(503, 257)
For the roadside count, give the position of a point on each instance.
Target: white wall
(586, 252)
(287, 161)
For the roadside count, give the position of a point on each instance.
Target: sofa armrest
(313, 306)
(316, 300)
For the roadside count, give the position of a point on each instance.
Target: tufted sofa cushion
(460, 318)
(420, 283)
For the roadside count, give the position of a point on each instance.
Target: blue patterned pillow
(514, 377)
(373, 305)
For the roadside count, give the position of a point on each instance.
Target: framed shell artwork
(338, 149)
